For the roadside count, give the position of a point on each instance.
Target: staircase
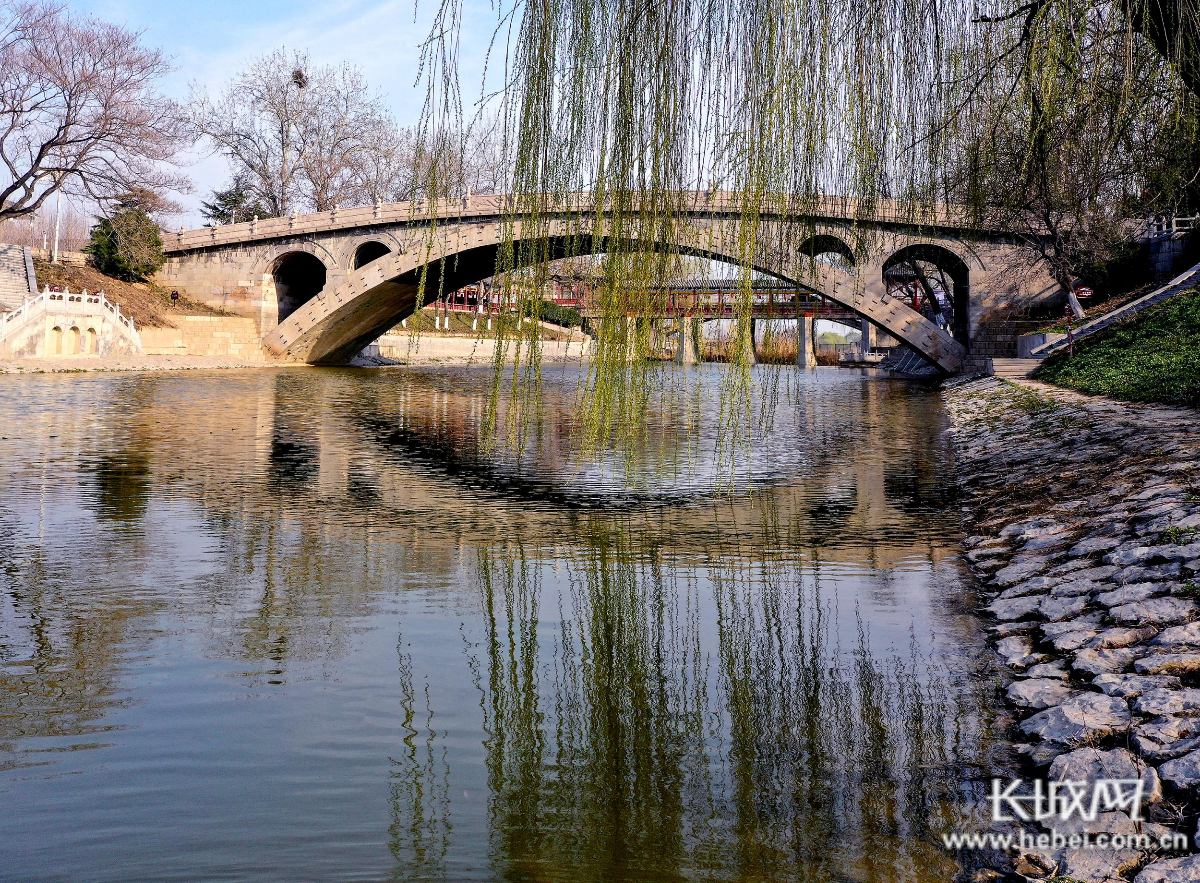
(1013, 367)
(1184, 282)
(23, 331)
(16, 276)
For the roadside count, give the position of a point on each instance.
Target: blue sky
(208, 41)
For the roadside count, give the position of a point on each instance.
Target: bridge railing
(493, 206)
(1161, 225)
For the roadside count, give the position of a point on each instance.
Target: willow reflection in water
(455, 664)
(674, 723)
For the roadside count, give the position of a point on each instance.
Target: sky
(208, 41)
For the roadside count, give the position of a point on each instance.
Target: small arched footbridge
(322, 286)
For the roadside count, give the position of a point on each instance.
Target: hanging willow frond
(1026, 113)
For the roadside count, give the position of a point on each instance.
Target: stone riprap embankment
(1084, 517)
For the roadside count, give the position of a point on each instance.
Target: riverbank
(1084, 517)
(422, 352)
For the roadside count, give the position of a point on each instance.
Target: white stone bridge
(322, 286)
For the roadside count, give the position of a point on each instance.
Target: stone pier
(686, 353)
(805, 355)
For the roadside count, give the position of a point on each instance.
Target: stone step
(14, 280)
(1014, 367)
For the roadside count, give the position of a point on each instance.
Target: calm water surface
(301, 625)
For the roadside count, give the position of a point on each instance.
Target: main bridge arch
(337, 323)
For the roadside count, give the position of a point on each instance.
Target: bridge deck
(477, 209)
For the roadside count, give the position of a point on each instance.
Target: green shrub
(128, 245)
(555, 314)
(1153, 357)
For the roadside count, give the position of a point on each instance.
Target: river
(309, 625)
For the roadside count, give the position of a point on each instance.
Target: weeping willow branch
(1047, 111)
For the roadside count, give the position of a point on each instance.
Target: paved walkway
(1084, 516)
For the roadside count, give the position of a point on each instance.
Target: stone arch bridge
(322, 286)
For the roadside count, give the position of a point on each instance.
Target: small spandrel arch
(368, 252)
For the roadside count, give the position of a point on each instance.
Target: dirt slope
(147, 304)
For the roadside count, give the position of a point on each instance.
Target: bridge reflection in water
(301, 624)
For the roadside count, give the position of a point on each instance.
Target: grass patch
(1180, 536)
(1191, 590)
(1153, 357)
(1030, 402)
(555, 314)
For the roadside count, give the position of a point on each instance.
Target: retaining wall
(205, 336)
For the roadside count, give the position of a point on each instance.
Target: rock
(989, 551)
(1033, 527)
(1163, 700)
(1098, 864)
(1096, 573)
(1091, 764)
(1075, 587)
(1004, 629)
(1132, 686)
(1039, 585)
(1172, 552)
(1157, 573)
(1129, 594)
(1021, 569)
(1067, 568)
(1157, 753)
(1185, 869)
(1182, 772)
(1038, 693)
(1125, 557)
(1040, 754)
(1095, 662)
(1048, 541)
(1015, 608)
(1056, 669)
(1017, 652)
(987, 565)
(1122, 636)
(1168, 664)
(1081, 718)
(1157, 611)
(1179, 635)
(1093, 546)
(1058, 609)
(1073, 640)
(1165, 730)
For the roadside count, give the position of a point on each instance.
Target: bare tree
(79, 109)
(345, 123)
(485, 169)
(254, 123)
(1060, 140)
(299, 135)
(387, 171)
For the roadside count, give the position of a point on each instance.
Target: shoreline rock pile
(1085, 523)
